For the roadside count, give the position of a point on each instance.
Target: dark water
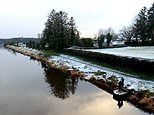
(27, 87)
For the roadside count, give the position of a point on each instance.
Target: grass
(126, 70)
(49, 53)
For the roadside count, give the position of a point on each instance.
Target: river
(28, 87)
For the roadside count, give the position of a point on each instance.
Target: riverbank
(136, 65)
(141, 100)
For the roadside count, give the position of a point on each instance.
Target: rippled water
(30, 88)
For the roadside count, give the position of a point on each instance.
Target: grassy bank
(134, 66)
(49, 53)
(125, 70)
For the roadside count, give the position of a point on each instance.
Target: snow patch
(146, 52)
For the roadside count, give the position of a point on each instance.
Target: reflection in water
(120, 104)
(119, 99)
(61, 84)
(11, 51)
(24, 92)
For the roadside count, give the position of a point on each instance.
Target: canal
(28, 87)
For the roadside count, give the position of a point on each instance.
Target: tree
(151, 22)
(101, 40)
(109, 38)
(140, 26)
(86, 42)
(142, 29)
(109, 35)
(73, 37)
(59, 32)
(109, 30)
(126, 33)
(106, 35)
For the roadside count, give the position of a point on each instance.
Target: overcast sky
(27, 17)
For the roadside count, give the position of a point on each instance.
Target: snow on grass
(31, 50)
(146, 52)
(89, 70)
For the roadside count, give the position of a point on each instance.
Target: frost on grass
(141, 53)
(97, 72)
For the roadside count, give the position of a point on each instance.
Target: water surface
(30, 88)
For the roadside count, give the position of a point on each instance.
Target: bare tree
(109, 30)
(126, 33)
(101, 37)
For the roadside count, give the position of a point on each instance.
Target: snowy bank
(144, 66)
(90, 69)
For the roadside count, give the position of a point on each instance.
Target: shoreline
(139, 99)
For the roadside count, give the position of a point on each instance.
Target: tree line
(61, 32)
(141, 32)
(16, 41)
(105, 37)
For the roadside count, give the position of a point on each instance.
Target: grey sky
(27, 17)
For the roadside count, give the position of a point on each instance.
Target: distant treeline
(18, 40)
(61, 32)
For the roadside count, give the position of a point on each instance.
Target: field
(139, 52)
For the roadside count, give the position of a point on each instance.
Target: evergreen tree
(73, 33)
(109, 38)
(59, 32)
(101, 40)
(140, 26)
(86, 42)
(151, 22)
(109, 35)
